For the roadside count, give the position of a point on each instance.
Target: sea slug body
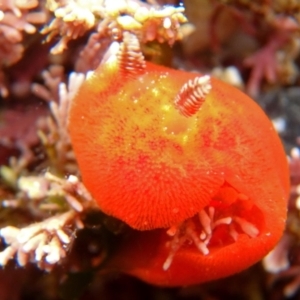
(185, 157)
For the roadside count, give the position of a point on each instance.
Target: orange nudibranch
(188, 158)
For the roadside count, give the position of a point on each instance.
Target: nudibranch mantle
(162, 148)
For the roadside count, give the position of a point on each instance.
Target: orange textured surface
(144, 174)
(151, 167)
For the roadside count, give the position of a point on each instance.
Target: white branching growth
(111, 18)
(46, 243)
(72, 20)
(42, 190)
(60, 111)
(52, 77)
(16, 20)
(76, 195)
(53, 132)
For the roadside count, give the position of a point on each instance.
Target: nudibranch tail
(192, 95)
(130, 57)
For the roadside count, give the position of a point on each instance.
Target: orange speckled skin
(141, 173)
(149, 166)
